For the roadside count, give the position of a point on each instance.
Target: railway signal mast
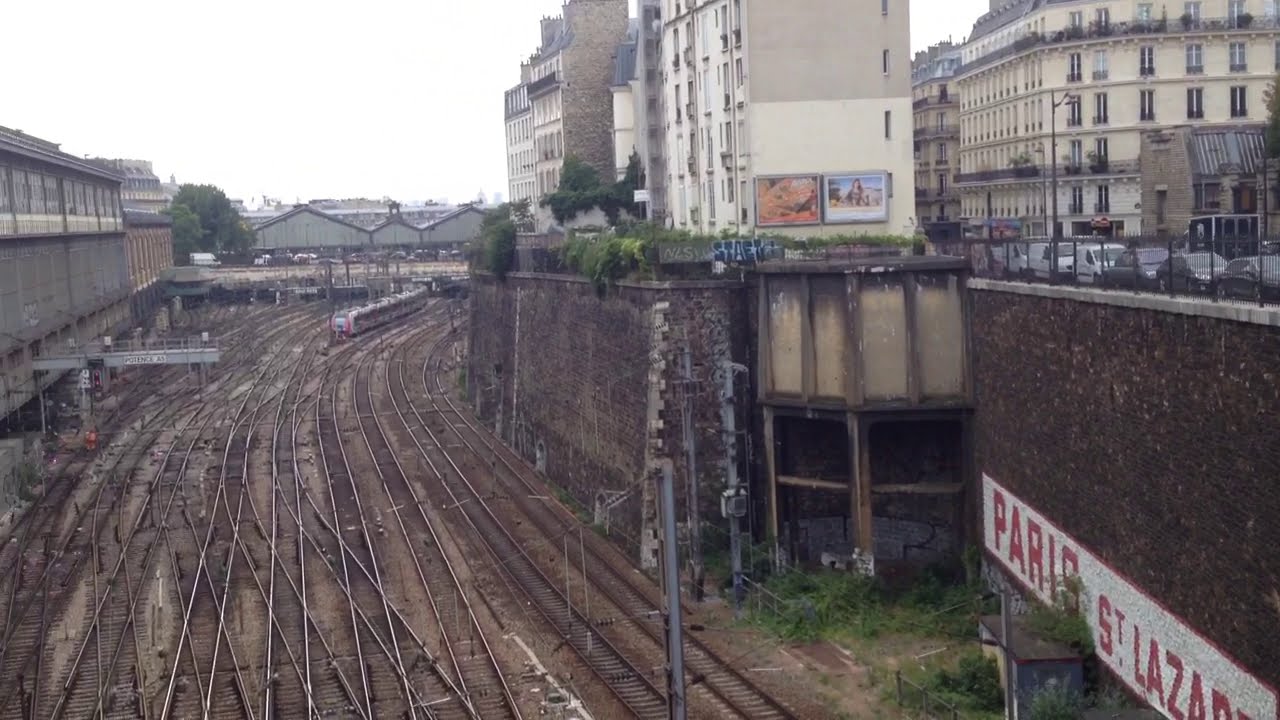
(676, 708)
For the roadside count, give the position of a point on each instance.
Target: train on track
(354, 321)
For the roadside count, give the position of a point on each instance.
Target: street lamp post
(1054, 102)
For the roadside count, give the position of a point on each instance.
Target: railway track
(25, 654)
(719, 685)
(461, 639)
(399, 673)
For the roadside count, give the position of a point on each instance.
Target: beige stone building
(566, 84)
(935, 108)
(1101, 74)
(1190, 172)
(788, 117)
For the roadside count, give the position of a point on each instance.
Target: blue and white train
(354, 321)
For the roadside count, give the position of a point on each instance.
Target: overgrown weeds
(831, 605)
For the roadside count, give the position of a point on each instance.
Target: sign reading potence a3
(1161, 658)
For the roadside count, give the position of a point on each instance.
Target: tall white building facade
(520, 159)
(788, 117)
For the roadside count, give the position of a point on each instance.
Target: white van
(1094, 257)
(1040, 259)
(204, 260)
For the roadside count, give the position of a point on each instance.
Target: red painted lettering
(1119, 625)
(1221, 706)
(1104, 624)
(1242, 715)
(1195, 707)
(1035, 555)
(1138, 677)
(1171, 703)
(1070, 562)
(1001, 522)
(1015, 542)
(1155, 673)
(1053, 568)
(1071, 568)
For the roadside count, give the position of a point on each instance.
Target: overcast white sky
(296, 99)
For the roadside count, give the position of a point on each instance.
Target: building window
(1147, 105)
(1075, 18)
(737, 70)
(1192, 9)
(1239, 104)
(1195, 59)
(1101, 150)
(884, 61)
(1077, 200)
(1235, 8)
(1195, 103)
(1075, 118)
(1100, 115)
(1100, 69)
(942, 120)
(1075, 153)
(1238, 59)
(1104, 199)
(1075, 72)
(888, 124)
(1102, 17)
(942, 152)
(1146, 61)
(884, 7)
(1144, 12)
(942, 183)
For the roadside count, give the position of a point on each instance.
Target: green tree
(581, 190)
(1272, 97)
(187, 233)
(221, 228)
(498, 238)
(577, 176)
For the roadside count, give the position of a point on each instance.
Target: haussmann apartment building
(1100, 74)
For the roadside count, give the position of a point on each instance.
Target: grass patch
(835, 605)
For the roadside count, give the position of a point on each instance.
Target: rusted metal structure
(864, 382)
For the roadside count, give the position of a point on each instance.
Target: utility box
(1038, 664)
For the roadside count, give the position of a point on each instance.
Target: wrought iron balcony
(1009, 173)
(546, 83)
(1185, 25)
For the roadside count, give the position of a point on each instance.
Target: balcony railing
(1101, 74)
(547, 82)
(936, 131)
(1010, 173)
(1137, 27)
(935, 100)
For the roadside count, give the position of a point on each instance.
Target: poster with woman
(787, 200)
(855, 197)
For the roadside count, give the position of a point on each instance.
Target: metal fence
(919, 702)
(1245, 270)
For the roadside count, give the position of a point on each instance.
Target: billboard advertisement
(1156, 653)
(855, 197)
(787, 200)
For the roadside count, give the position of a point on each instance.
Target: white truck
(204, 260)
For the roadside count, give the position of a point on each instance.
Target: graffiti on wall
(1180, 672)
(735, 251)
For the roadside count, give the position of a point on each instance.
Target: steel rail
(375, 428)
(714, 674)
(201, 565)
(629, 683)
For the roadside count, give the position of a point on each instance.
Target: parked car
(1093, 258)
(1040, 260)
(1249, 278)
(1135, 268)
(1190, 272)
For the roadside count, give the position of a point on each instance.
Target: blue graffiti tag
(745, 252)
